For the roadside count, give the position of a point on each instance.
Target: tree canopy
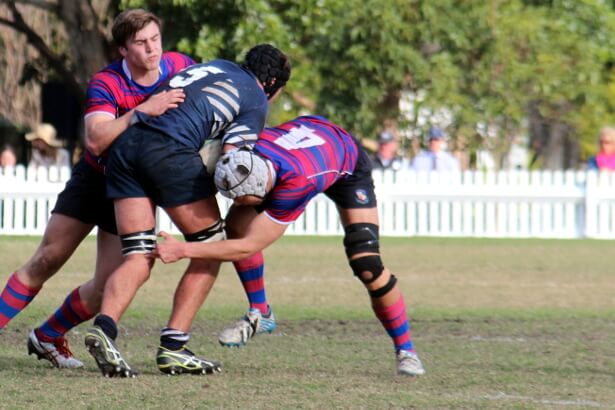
(500, 68)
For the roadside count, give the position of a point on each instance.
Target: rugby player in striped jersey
(272, 184)
(113, 96)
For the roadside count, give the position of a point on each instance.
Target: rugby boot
(107, 356)
(56, 352)
(253, 323)
(409, 364)
(184, 361)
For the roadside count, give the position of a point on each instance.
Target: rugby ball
(210, 153)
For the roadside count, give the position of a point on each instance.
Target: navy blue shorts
(356, 190)
(146, 163)
(85, 199)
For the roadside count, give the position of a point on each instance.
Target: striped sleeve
(177, 61)
(289, 199)
(236, 127)
(240, 135)
(100, 97)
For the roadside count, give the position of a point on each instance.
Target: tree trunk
(552, 140)
(88, 45)
(553, 154)
(20, 104)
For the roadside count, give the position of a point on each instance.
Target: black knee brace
(138, 242)
(380, 292)
(371, 264)
(211, 234)
(361, 237)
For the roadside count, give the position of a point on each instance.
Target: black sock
(107, 325)
(173, 339)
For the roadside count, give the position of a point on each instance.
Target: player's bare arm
(261, 233)
(102, 129)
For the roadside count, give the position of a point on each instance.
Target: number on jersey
(302, 137)
(191, 75)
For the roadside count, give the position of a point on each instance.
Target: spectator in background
(46, 148)
(605, 159)
(434, 158)
(8, 157)
(387, 157)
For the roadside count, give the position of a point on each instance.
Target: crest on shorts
(360, 195)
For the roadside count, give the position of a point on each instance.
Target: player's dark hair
(270, 66)
(128, 22)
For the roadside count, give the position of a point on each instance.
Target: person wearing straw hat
(47, 148)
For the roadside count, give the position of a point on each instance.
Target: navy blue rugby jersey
(223, 100)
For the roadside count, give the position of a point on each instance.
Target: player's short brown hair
(128, 22)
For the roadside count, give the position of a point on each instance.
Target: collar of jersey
(127, 70)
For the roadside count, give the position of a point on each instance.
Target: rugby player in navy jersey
(157, 162)
(113, 95)
(289, 165)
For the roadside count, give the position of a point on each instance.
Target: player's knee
(143, 242)
(367, 268)
(213, 233)
(360, 238)
(383, 290)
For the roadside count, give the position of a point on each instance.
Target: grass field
(517, 324)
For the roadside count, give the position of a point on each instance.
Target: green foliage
(362, 59)
(484, 62)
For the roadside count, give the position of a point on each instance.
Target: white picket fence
(27, 197)
(516, 204)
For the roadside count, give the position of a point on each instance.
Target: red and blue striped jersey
(309, 154)
(112, 90)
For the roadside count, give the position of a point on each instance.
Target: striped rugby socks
(14, 298)
(395, 321)
(251, 272)
(70, 314)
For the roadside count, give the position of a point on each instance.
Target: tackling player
(114, 94)
(157, 162)
(290, 165)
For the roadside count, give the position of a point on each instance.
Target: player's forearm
(100, 136)
(225, 251)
